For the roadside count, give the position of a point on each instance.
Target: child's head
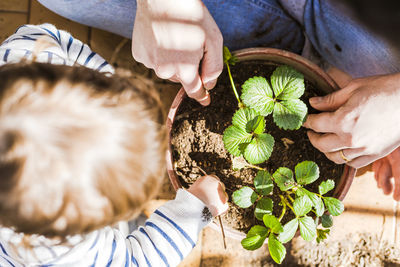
(78, 150)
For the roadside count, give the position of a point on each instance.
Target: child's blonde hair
(78, 150)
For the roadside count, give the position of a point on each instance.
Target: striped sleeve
(167, 237)
(57, 47)
(170, 233)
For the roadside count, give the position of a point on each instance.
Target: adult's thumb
(332, 101)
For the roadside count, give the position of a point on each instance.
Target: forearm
(170, 233)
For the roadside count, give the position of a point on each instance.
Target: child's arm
(170, 233)
(49, 45)
(172, 230)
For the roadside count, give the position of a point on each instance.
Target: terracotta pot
(310, 71)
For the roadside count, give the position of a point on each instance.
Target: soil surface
(196, 141)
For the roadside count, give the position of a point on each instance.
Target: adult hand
(211, 191)
(360, 122)
(385, 169)
(174, 37)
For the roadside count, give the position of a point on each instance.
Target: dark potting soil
(197, 142)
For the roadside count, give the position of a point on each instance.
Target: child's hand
(385, 169)
(211, 191)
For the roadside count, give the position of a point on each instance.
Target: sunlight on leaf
(306, 172)
(287, 83)
(233, 137)
(239, 163)
(263, 183)
(284, 178)
(289, 230)
(308, 229)
(273, 223)
(255, 237)
(334, 206)
(276, 249)
(264, 206)
(256, 125)
(244, 197)
(259, 149)
(302, 206)
(326, 186)
(290, 114)
(257, 94)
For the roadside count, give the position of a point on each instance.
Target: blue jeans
(339, 39)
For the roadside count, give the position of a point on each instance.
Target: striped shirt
(166, 237)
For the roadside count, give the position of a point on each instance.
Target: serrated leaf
(322, 234)
(244, 197)
(334, 206)
(242, 116)
(306, 172)
(276, 249)
(302, 206)
(290, 114)
(228, 57)
(327, 220)
(263, 183)
(308, 229)
(326, 186)
(259, 149)
(264, 206)
(257, 94)
(283, 177)
(287, 83)
(256, 125)
(255, 237)
(233, 138)
(239, 163)
(272, 223)
(317, 202)
(289, 230)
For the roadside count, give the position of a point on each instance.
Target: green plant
(248, 142)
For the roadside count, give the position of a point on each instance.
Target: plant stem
(256, 167)
(233, 86)
(222, 230)
(291, 199)
(283, 209)
(284, 199)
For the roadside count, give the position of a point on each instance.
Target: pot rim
(276, 56)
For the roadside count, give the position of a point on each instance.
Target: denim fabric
(340, 40)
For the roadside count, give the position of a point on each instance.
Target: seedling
(250, 145)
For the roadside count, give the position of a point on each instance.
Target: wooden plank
(40, 14)
(14, 5)
(9, 22)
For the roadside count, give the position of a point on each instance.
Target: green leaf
(256, 125)
(334, 206)
(257, 94)
(244, 197)
(308, 230)
(302, 206)
(242, 116)
(239, 163)
(316, 201)
(326, 186)
(273, 223)
(228, 57)
(276, 249)
(322, 234)
(290, 114)
(263, 183)
(264, 206)
(306, 172)
(255, 237)
(327, 220)
(287, 83)
(289, 230)
(233, 138)
(259, 149)
(284, 178)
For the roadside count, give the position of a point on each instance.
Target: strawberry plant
(249, 143)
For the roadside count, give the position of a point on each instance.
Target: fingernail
(315, 100)
(205, 101)
(210, 85)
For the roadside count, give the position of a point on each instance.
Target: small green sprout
(249, 144)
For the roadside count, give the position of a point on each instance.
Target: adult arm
(181, 41)
(361, 120)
